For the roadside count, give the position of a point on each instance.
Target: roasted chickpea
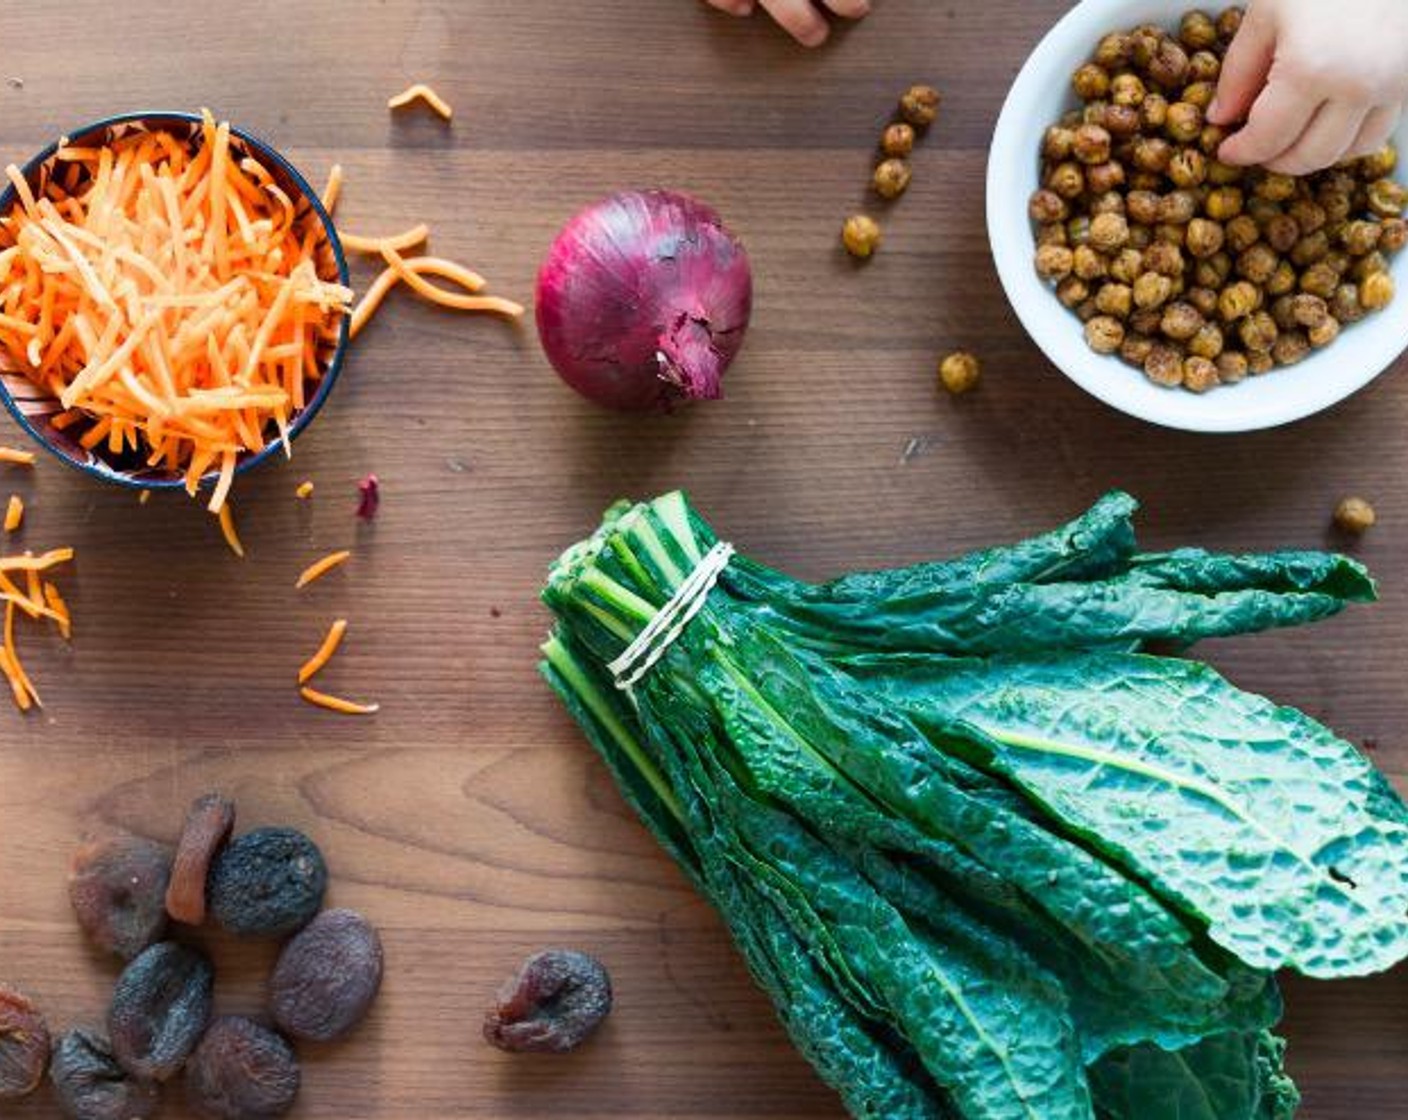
(1379, 165)
(1367, 265)
(1340, 261)
(1141, 237)
(1345, 305)
(1197, 32)
(1127, 91)
(1376, 291)
(1200, 95)
(1121, 121)
(1169, 65)
(1393, 234)
(1259, 362)
(1144, 41)
(1145, 321)
(1204, 299)
(1091, 81)
(1142, 207)
(1109, 232)
(1262, 211)
(1164, 366)
(1213, 272)
(1144, 180)
(1320, 280)
(1054, 262)
(1308, 310)
(1290, 347)
(1153, 112)
(960, 372)
(1102, 177)
(1152, 289)
(1282, 233)
(1310, 216)
(1337, 204)
(891, 178)
(1136, 349)
(1355, 515)
(1052, 233)
(1092, 144)
(861, 236)
(1205, 237)
(1113, 51)
(1387, 198)
(1229, 22)
(1178, 207)
(1360, 238)
(1241, 234)
(1210, 143)
(1180, 321)
(1224, 203)
(1204, 66)
(1258, 263)
(1171, 233)
(1152, 154)
(1055, 146)
(1185, 122)
(920, 106)
(1231, 367)
(1088, 264)
(1283, 312)
(1237, 301)
(1310, 248)
(1047, 206)
(1208, 342)
(1163, 258)
(1326, 333)
(1067, 180)
(1104, 334)
(1275, 187)
(898, 142)
(1199, 374)
(1072, 292)
(1258, 331)
(1188, 168)
(1094, 112)
(1283, 280)
(1220, 174)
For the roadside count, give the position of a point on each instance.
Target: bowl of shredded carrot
(174, 301)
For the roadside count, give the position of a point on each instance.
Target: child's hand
(805, 19)
(1317, 81)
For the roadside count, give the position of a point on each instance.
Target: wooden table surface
(469, 820)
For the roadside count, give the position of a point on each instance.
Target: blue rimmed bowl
(34, 409)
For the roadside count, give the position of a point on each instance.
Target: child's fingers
(801, 18)
(1374, 133)
(1245, 68)
(849, 9)
(1325, 140)
(1277, 120)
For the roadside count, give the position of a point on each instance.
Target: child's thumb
(1245, 68)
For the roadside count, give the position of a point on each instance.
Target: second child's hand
(805, 20)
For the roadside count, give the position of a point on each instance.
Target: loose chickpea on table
(1195, 271)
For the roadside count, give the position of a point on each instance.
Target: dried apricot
(242, 1071)
(327, 977)
(267, 883)
(160, 1009)
(24, 1046)
(209, 823)
(117, 885)
(557, 999)
(91, 1085)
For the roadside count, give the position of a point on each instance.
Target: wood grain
(468, 819)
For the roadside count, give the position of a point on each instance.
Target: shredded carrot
(19, 458)
(39, 600)
(422, 92)
(305, 490)
(59, 609)
(417, 235)
(31, 563)
(337, 703)
(172, 297)
(315, 664)
(227, 527)
(411, 271)
(322, 568)
(144, 497)
(14, 513)
(333, 191)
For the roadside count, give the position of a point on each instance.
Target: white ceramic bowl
(1040, 95)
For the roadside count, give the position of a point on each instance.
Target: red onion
(643, 301)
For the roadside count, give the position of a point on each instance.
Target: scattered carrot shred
(337, 703)
(315, 664)
(333, 191)
(172, 296)
(422, 92)
(305, 490)
(227, 527)
(416, 235)
(144, 497)
(60, 610)
(39, 600)
(322, 567)
(14, 513)
(17, 457)
(413, 271)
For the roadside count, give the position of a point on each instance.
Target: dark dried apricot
(91, 1085)
(242, 1071)
(326, 977)
(558, 998)
(267, 883)
(24, 1045)
(160, 1008)
(209, 823)
(117, 885)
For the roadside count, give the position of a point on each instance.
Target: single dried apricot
(209, 823)
(24, 1045)
(160, 1009)
(242, 1071)
(117, 885)
(558, 998)
(327, 977)
(91, 1085)
(267, 883)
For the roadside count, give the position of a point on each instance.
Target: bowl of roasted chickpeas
(1174, 287)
